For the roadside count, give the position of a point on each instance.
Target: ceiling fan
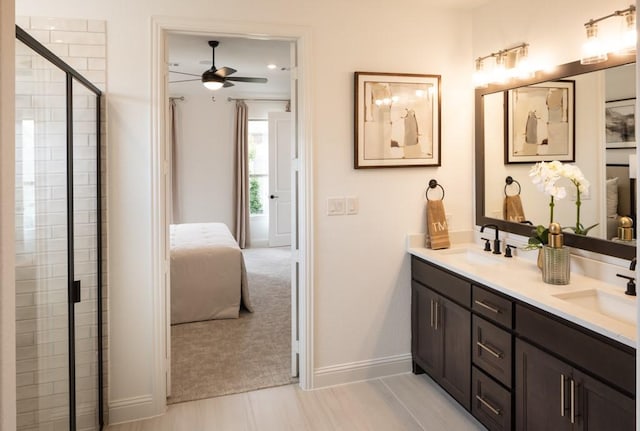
(214, 78)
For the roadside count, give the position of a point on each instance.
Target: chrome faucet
(496, 241)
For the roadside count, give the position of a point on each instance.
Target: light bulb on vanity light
(524, 67)
(593, 50)
(480, 78)
(629, 37)
(499, 74)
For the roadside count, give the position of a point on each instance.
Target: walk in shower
(59, 299)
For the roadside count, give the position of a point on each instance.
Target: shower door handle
(76, 291)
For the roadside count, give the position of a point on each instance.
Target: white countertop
(522, 279)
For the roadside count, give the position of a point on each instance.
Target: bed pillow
(612, 197)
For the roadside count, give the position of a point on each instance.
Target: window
(258, 167)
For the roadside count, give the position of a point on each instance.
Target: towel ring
(509, 180)
(432, 185)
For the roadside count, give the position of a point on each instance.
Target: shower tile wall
(41, 300)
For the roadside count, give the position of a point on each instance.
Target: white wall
(205, 160)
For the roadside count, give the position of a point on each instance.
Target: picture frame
(396, 120)
(620, 118)
(540, 123)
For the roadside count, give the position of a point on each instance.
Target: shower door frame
(73, 289)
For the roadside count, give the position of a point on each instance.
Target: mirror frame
(597, 245)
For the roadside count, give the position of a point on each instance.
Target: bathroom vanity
(518, 353)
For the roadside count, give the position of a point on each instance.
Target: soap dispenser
(625, 229)
(556, 263)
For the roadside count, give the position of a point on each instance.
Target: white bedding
(208, 275)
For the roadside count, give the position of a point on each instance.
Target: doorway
(300, 174)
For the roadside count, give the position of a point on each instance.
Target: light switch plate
(335, 206)
(352, 205)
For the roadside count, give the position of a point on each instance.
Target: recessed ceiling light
(272, 66)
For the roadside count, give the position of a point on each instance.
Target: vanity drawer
(441, 281)
(610, 361)
(490, 402)
(492, 306)
(491, 347)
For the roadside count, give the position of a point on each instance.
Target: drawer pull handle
(431, 316)
(487, 306)
(562, 407)
(488, 405)
(437, 315)
(573, 402)
(489, 349)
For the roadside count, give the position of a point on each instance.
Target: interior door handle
(273, 197)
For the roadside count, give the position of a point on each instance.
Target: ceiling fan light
(212, 85)
(212, 81)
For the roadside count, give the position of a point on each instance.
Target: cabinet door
(542, 390)
(601, 408)
(454, 324)
(426, 344)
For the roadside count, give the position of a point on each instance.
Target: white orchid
(546, 175)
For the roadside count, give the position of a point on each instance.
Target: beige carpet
(220, 357)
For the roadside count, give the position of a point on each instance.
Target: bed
(208, 275)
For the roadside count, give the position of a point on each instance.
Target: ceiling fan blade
(183, 73)
(227, 84)
(245, 79)
(223, 72)
(185, 80)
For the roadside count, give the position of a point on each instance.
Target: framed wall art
(620, 122)
(540, 123)
(397, 120)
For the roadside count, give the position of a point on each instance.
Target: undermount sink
(616, 306)
(474, 257)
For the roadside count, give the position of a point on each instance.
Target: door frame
(301, 36)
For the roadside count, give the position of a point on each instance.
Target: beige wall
(7, 283)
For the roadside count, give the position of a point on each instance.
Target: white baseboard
(361, 370)
(131, 409)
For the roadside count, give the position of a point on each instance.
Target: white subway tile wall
(41, 224)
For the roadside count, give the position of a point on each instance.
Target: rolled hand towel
(512, 209)
(437, 225)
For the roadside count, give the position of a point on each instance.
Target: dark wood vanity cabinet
(568, 381)
(441, 328)
(514, 366)
(571, 400)
(440, 341)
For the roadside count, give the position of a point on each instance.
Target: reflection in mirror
(603, 147)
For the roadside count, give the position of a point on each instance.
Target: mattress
(208, 275)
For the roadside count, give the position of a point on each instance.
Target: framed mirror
(514, 129)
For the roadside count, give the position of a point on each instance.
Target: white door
(280, 179)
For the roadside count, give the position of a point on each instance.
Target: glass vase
(556, 266)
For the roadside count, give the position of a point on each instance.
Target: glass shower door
(86, 256)
(42, 252)
(58, 244)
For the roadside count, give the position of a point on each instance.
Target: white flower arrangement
(545, 176)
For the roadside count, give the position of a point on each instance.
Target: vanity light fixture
(508, 63)
(594, 50)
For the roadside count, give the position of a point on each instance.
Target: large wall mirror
(595, 104)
